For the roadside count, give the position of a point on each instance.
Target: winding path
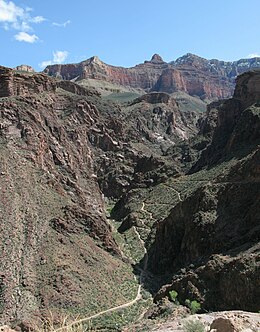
(122, 306)
(178, 194)
(138, 295)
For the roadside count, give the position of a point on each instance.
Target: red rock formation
(16, 84)
(142, 76)
(207, 79)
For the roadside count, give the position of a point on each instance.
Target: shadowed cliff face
(232, 124)
(210, 240)
(206, 79)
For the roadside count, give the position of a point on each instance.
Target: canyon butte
(122, 186)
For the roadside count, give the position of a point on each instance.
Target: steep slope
(142, 76)
(210, 239)
(228, 69)
(57, 250)
(196, 76)
(131, 154)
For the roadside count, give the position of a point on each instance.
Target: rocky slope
(61, 143)
(210, 239)
(206, 79)
(57, 249)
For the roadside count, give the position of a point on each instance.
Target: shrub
(193, 326)
(193, 305)
(173, 296)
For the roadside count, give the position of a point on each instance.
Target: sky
(126, 32)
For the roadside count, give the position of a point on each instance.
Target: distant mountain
(196, 76)
(227, 69)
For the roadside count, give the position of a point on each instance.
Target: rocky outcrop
(142, 76)
(207, 79)
(15, 83)
(213, 252)
(233, 123)
(226, 69)
(20, 84)
(25, 68)
(193, 82)
(222, 321)
(248, 88)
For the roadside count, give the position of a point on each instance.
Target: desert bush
(193, 305)
(193, 326)
(173, 296)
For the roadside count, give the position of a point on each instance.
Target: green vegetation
(193, 326)
(122, 97)
(111, 91)
(115, 321)
(173, 296)
(193, 305)
(189, 103)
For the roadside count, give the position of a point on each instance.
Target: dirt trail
(177, 192)
(138, 295)
(122, 306)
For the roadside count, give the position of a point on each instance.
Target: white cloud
(18, 18)
(37, 19)
(253, 55)
(61, 25)
(9, 12)
(26, 37)
(44, 64)
(58, 57)
(22, 25)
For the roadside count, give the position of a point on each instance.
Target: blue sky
(124, 33)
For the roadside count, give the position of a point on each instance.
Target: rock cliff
(206, 79)
(210, 239)
(15, 83)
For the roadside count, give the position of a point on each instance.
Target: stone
(6, 328)
(222, 325)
